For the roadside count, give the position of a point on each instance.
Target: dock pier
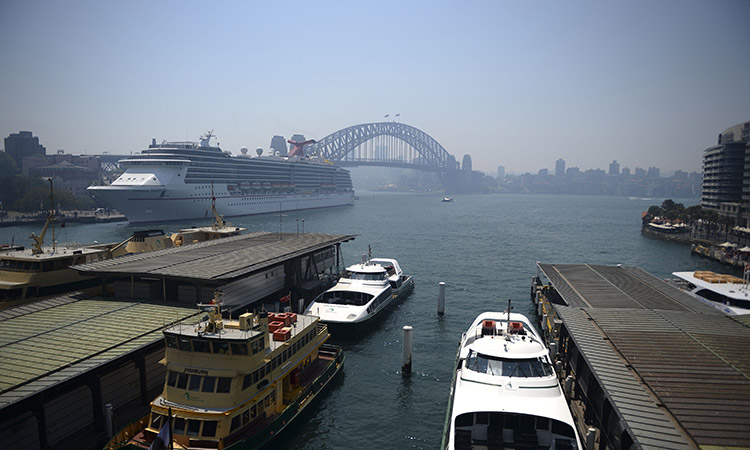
(644, 364)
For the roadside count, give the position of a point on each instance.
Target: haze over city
(518, 84)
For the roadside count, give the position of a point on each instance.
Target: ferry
(173, 180)
(505, 392)
(362, 292)
(235, 384)
(26, 274)
(727, 293)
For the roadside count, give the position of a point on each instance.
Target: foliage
(677, 211)
(19, 193)
(7, 165)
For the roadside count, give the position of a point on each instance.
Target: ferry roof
(222, 259)
(51, 341)
(732, 290)
(660, 356)
(61, 251)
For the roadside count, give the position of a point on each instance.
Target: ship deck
(673, 372)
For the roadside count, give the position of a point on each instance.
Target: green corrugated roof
(53, 340)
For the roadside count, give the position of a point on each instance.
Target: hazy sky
(517, 83)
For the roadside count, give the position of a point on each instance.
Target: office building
(726, 174)
(22, 144)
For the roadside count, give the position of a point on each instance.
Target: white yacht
(401, 284)
(505, 393)
(727, 293)
(363, 291)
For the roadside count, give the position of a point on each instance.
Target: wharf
(65, 358)
(645, 364)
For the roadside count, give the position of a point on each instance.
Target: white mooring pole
(441, 298)
(406, 355)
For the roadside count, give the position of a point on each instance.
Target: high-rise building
(653, 172)
(23, 144)
(278, 144)
(625, 172)
(466, 164)
(560, 167)
(614, 168)
(726, 173)
(500, 172)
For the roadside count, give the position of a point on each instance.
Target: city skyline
(643, 83)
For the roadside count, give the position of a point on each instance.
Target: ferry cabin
(226, 382)
(24, 275)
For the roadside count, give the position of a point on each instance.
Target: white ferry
(362, 292)
(173, 181)
(505, 393)
(727, 293)
(235, 384)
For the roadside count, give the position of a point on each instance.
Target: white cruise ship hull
(161, 204)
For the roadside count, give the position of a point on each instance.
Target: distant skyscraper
(500, 171)
(278, 144)
(466, 164)
(23, 144)
(653, 172)
(543, 172)
(560, 167)
(614, 168)
(640, 173)
(625, 171)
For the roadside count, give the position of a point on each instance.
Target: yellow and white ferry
(235, 384)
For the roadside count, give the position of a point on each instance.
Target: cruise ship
(174, 181)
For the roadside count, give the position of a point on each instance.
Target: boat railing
(122, 437)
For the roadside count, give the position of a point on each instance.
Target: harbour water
(483, 246)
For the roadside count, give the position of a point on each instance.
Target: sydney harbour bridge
(385, 144)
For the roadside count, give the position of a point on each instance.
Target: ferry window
(171, 341)
(542, 423)
(246, 417)
(182, 380)
(465, 420)
(255, 347)
(155, 421)
(179, 426)
(262, 372)
(208, 384)
(193, 427)
(235, 422)
(562, 429)
(195, 382)
(171, 378)
(224, 384)
(183, 343)
(209, 428)
(483, 418)
(247, 381)
(255, 377)
(253, 412)
(239, 348)
(221, 348)
(201, 345)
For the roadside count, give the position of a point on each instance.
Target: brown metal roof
(695, 360)
(221, 259)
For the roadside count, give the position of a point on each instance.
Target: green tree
(7, 165)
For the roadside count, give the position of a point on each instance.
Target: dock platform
(645, 364)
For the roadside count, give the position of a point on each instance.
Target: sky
(512, 83)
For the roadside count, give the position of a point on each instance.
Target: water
(483, 246)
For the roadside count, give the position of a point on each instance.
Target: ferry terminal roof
(657, 352)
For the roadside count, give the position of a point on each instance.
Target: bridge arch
(343, 145)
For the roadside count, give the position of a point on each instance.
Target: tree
(7, 165)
